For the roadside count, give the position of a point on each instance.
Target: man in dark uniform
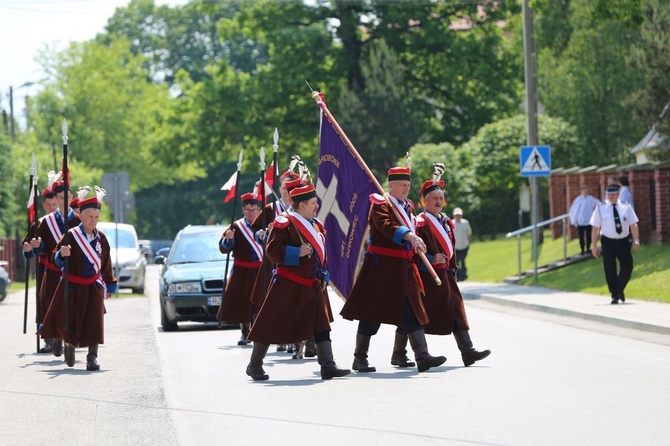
(91, 278)
(615, 222)
(444, 304)
(297, 306)
(388, 287)
(239, 239)
(31, 243)
(50, 231)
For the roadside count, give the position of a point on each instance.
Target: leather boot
(57, 347)
(424, 360)
(48, 346)
(245, 331)
(329, 370)
(255, 367)
(399, 356)
(468, 353)
(69, 354)
(361, 363)
(310, 349)
(92, 358)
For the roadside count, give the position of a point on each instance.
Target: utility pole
(12, 132)
(531, 107)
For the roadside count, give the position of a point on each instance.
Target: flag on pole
(230, 187)
(344, 188)
(270, 176)
(31, 204)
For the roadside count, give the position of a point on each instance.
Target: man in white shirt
(624, 192)
(463, 233)
(580, 216)
(615, 221)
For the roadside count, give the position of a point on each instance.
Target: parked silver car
(127, 258)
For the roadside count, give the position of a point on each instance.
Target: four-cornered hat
(288, 174)
(250, 198)
(47, 193)
(52, 179)
(303, 193)
(94, 202)
(399, 173)
(612, 189)
(435, 182)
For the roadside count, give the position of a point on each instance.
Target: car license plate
(214, 301)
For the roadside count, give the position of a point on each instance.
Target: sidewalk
(641, 315)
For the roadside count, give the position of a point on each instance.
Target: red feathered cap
(88, 203)
(250, 198)
(292, 184)
(288, 174)
(399, 173)
(430, 186)
(303, 193)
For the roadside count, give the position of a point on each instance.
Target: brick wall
(662, 183)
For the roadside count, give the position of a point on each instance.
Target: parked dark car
(191, 277)
(163, 252)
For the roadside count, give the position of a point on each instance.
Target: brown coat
(85, 302)
(236, 306)
(379, 292)
(51, 275)
(262, 282)
(292, 312)
(444, 303)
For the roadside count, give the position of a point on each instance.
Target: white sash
(316, 239)
(440, 233)
(401, 211)
(87, 249)
(241, 224)
(52, 224)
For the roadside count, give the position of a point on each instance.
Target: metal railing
(519, 232)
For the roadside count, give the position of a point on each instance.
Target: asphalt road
(545, 383)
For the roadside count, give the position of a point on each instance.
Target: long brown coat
(379, 293)
(51, 274)
(444, 303)
(292, 312)
(86, 308)
(237, 305)
(262, 282)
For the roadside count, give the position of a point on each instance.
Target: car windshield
(197, 247)
(126, 238)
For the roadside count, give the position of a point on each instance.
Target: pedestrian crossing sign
(535, 161)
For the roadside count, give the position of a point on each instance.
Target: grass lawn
(491, 261)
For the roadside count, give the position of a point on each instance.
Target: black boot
(69, 354)
(424, 360)
(361, 363)
(57, 347)
(310, 349)
(329, 370)
(48, 346)
(245, 331)
(255, 367)
(92, 358)
(399, 356)
(468, 353)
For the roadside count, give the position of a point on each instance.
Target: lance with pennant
(66, 272)
(219, 315)
(263, 222)
(318, 98)
(38, 276)
(33, 178)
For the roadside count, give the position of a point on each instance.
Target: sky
(26, 26)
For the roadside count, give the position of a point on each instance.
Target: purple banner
(343, 187)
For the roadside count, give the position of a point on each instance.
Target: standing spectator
(616, 222)
(463, 233)
(624, 193)
(580, 216)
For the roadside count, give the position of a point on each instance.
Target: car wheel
(166, 323)
(139, 290)
(2, 297)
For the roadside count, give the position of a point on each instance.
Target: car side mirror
(159, 260)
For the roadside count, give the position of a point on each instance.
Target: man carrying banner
(50, 231)
(91, 278)
(239, 239)
(297, 305)
(388, 287)
(444, 304)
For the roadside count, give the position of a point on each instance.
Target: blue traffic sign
(535, 161)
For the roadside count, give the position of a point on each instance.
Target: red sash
(440, 234)
(283, 272)
(249, 236)
(83, 280)
(243, 264)
(399, 253)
